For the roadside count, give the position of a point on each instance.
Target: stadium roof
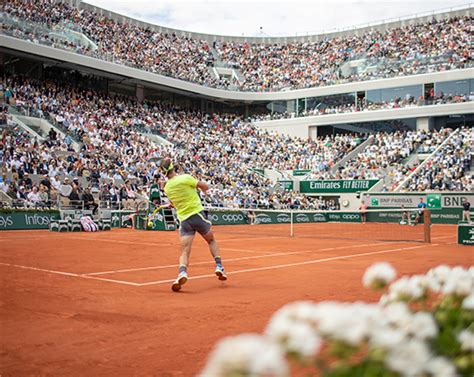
(269, 21)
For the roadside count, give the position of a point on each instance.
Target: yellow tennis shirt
(181, 191)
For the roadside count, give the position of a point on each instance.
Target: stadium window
(393, 95)
(460, 87)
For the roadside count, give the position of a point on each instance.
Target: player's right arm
(203, 186)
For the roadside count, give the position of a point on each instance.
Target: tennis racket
(150, 217)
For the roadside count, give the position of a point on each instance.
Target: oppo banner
(27, 220)
(235, 218)
(438, 216)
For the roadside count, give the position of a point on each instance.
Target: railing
(27, 204)
(402, 184)
(389, 20)
(24, 110)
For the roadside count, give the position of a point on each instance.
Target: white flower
(422, 326)
(349, 323)
(292, 336)
(468, 302)
(440, 273)
(441, 367)
(466, 339)
(408, 358)
(459, 282)
(384, 299)
(407, 288)
(397, 314)
(385, 337)
(379, 275)
(298, 311)
(246, 354)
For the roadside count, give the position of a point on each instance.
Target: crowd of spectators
(385, 157)
(436, 45)
(120, 162)
(220, 148)
(430, 46)
(447, 170)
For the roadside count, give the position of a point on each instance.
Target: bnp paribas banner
(27, 220)
(411, 200)
(337, 186)
(446, 207)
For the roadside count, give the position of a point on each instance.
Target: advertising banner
(236, 218)
(301, 172)
(27, 220)
(466, 234)
(286, 185)
(120, 217)
(337, 186)
(411, 200)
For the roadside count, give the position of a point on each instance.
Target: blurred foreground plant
(422, 326)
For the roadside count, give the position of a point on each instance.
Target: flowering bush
(423, 326)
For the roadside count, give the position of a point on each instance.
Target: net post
(427, 225)
(291, 224)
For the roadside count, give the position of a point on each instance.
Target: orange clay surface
(100, 304)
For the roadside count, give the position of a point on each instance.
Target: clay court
(100, 303)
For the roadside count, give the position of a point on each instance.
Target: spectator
(89, 202)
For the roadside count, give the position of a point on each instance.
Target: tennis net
(411, 225)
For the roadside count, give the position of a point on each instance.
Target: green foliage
(366, 368)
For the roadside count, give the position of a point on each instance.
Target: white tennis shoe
(180, 281)
(219, 271)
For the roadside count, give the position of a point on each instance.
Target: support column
(313, 132)
(140, 93)
(424, 124)
(290, 106)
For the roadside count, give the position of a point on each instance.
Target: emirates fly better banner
(336, 186)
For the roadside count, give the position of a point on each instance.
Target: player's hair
(166, 166)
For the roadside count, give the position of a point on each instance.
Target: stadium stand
(119, 138)
(219, 148)
(437, 45)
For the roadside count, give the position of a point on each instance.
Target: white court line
(67, 273)
(109, 280)
(39, 269)
(125, 242)
(235, 259)
(293, 264)
(219, 240)
(246, 251)
(440, 238)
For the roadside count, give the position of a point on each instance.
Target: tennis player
(181, 191)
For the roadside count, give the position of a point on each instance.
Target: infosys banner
(27, 220)
(337, 186)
